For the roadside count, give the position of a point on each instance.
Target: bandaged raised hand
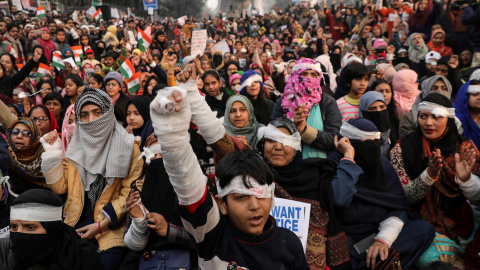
(170, 113)
(208, 125)
(171, 128)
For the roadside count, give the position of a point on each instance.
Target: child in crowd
(356, 79)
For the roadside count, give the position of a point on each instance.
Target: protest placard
(294, 216)
(199, 42)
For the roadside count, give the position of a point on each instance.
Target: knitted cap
(234, 77)
(89, 51)
(114, 76)
(247, 78)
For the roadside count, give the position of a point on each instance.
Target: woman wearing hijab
(43, 117)
(68, 128)
(377, 203)
(467, 109)
(405, 85)
(374, 108)
(239, 120)
(67, 53)
(312, 180)
(99, 165)
(335, 57)
(315, 113)
(150, 83)
(417, 50)
(438, 171)
(40, 240)
(46, 42)
(437, 43)
(435, 84)
(138, 114)
(25, 149)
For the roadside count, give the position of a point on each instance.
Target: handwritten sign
(294, 216)
(199, 42)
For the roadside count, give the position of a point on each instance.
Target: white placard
(91, 11)
(150, 11)
(18, 4)
(114, 13)
(294, 216)
(199, 42)
(182, 20)
(221, 46)
(242, 62)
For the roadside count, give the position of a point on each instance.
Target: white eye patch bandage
(36, 212)
(272, 133)
(353, 133)
(437, 110)
(473, 89)
(237, 186)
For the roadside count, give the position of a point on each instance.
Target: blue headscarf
(470, 127)
(67, 56)
(368, 99)
(247, 80)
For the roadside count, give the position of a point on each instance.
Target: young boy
(234, 231)
(356, 79)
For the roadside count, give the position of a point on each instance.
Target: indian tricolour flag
(144, 40)
(43, 69)
(134, 83)
(57, 60)
(98, 15)
(41, 12)
(78, 61)
(127, 69)
(77, 49)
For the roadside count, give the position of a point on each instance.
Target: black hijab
(60, 247)
(335, 58)
(142, 103)
(145, 87)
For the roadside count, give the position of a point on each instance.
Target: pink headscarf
(301, 90)
(67, 128)
(405, 90)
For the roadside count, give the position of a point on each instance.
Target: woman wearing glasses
(43, 117)
(25, 152)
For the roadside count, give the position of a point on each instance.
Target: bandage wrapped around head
(273, 133)
(473, 89)
(436, 109)
(237, 186)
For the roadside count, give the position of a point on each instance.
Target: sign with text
(294, 216)
(199, 42)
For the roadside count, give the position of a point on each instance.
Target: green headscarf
(250, 129)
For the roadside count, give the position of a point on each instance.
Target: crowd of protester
(368, 112)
